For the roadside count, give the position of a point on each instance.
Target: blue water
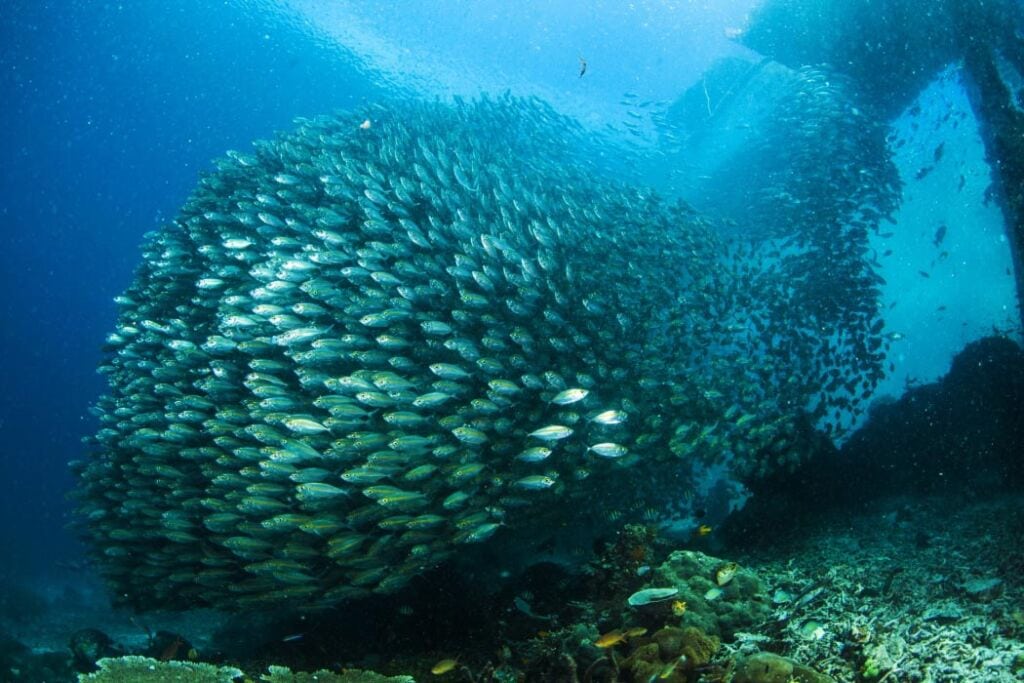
(110, 112)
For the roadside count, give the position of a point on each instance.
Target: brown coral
(671, 654)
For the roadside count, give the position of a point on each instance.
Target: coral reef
(717, 609)
(281, 674)
(673, 654)
(137, 669)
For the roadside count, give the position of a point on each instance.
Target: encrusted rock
(716, 610)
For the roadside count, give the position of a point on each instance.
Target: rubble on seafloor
(911, 589)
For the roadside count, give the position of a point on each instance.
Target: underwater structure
(387, 337)
(889, 52)
(794, 168)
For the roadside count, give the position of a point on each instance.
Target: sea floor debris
(916, 589)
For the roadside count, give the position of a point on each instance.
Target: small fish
(724, 574)
(609, 417)
(444, 666)
(635, 632)
(478, 533)
(448, 371)
(465, 472)
(608, 450)
(436, 328)
(292, 638)
(678, 608)
(535, 454)
(569, 396)
(318, 491)
(455, 500)
(431, 400)
(552, 433)
(365, 125)
(610, 639)
(303, 425)
(703, 530)
(583, 67)
(669, 669)
(171, 650)
(469, 436)
(535, 482)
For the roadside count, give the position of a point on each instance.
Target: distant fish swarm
(360, 348)
(829, 186)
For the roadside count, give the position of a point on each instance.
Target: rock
(18, 662)
(715, 610)
(645, 663)
(671, 654)
(945, 613)
(982, 590)
(877, 662)
(766, 667)
(694, 644)
(89, 645)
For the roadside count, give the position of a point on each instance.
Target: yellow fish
(635, 632)
(678, 608)
(724, 574)
(610, 639)
(444, 666)
(668, 669)
(703, 530)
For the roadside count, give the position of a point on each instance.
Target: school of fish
(391, 334)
